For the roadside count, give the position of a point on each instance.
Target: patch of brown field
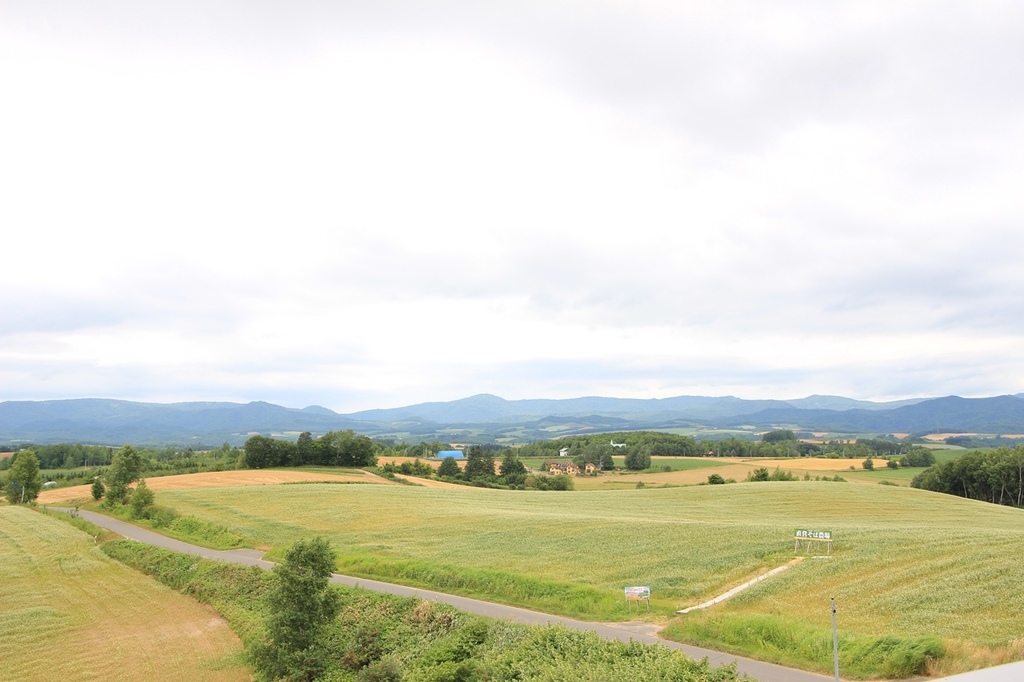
(604, 481)
(216, 479)
(944, 436)
(398, 461)
(5, 454)
(809, 463)
(731, 467)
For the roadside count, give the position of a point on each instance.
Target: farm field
(72, 613)
(219, 479)
(695, 470)
(907, 563)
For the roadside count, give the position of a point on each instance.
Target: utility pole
(835, 639)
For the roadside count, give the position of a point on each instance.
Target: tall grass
(789, 642)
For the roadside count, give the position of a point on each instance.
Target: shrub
(716, 479)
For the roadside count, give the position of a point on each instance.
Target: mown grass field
(906, 562)
(71, 613)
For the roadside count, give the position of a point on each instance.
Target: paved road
(623, 632)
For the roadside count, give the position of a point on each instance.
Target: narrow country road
(768, 672)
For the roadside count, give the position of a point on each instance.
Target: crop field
(219, 479)
(906, 562)
(72, 613)
(695, 470)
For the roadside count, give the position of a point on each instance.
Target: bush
(638, 461)
(716, 479)
(868, 464)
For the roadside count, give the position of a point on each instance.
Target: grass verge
(795, 644)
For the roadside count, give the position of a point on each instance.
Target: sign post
(638, 594)
(809, 537)
(835, 639)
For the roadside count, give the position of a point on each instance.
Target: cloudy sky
(375, 204)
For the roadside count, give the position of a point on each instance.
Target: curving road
(768, 672)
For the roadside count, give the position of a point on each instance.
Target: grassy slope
(907, 562)
(70, 612)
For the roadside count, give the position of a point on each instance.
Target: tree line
(995, 476)
(334, 448)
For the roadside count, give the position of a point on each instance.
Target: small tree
(125, 469)
(142, 500)
(512, 470)
(868, 464)
(638, 460)
(301, 605)
(479, 464)
(98, 489)
(449, 468)
(23, 481)
(716, 479)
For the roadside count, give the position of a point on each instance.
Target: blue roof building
(457, 454)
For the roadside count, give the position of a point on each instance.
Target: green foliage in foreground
(791, 642)
(301, 608)
(22, 484)
(382, 637)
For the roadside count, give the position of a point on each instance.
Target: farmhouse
(570, 468)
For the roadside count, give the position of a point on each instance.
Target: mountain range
(487, 418)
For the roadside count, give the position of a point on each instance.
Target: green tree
(125, 469)
(304, 449)
(868, 464)
(449, 468)
(479, 464)
(23, 481)
(778, 436)
(716, 479)
(301, 605)
(512, 470)
(98, 489)
(142, 500)
(638, 460)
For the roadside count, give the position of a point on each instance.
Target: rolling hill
(488, 418)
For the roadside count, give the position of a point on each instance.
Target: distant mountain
(834, 402)
(489, 409)
(1002, 414)
(488, 418)
(113, 422)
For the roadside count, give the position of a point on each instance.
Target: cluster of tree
(762, 474)
(76, 464)
(511, 472)
(646, 442)
(982, 441)
(334, 448)
(774, 447)
(995, 476)
(68, 455)
(908, 454)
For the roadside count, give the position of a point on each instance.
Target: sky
(375, 204)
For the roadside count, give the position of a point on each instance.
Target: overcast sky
(375, 204)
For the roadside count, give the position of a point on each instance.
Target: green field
(907, 563)
(72, 613)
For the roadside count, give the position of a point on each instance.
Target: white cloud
(376, 207)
